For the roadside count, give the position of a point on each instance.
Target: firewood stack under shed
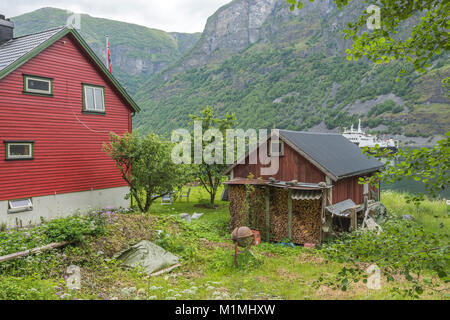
(279, 210)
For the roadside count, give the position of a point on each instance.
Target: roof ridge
(35, 33)
(308, 132)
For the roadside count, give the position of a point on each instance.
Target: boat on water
(363, 139)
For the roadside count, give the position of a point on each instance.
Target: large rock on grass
(147, 255)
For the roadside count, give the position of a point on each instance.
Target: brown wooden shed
(317, 172)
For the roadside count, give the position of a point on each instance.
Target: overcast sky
(167, 15)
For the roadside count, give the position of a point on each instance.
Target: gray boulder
(147, 255)
(377, 210)
(407, 217)
(196, 215)
(186, 217)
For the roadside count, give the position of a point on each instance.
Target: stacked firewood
(279, 214)
(306, 221)
(236, 196)
(257, 209)
(305, 213)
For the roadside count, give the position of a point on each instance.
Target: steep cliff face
(137, 52)
(273, 66)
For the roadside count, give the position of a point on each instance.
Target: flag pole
(107, 58)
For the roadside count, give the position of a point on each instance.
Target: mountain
(137, 52)
(274, 67)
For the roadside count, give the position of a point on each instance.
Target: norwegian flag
(108, 50)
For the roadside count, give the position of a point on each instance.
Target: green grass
(433, 215)
(271, 271)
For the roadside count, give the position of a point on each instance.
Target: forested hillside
(137, 52)
(274, 67)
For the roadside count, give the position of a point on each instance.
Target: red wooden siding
(68, 154)
(348, 188)
(292, 167)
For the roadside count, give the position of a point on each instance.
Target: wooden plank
(27, 252)
(267, 196)
(165, 270)
(290, 213)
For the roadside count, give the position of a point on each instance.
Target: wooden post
(353, 221)
(290, 213)
(247, 206)
(267, 196)
(322, 214)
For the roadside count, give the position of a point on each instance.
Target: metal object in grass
(242, 237)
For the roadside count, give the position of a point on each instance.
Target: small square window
(277, 148)
(20, 205)
(19, 150)
(38, 85)
(93, 98)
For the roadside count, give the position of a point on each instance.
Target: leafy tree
(428, 37)
(404, 248)
(210, 175)
(431, 166)
(146, 165)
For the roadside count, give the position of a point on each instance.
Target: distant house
(317, 181)
(58, 104)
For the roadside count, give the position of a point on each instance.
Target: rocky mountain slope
(137, 52)
(274, 67)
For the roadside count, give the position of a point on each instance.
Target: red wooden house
(319, 175)
(58, 104)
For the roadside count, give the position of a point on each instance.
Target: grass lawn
(206, 252)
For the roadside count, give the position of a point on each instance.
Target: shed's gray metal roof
(342, 208)
(16, 48)
(333, 152)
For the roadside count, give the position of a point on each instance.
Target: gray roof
(342, 208)
(333, 152)
(15, 48)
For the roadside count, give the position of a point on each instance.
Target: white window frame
(281, 151)
(14, 209)
(49, 81)
(85, 104)
(13, 157)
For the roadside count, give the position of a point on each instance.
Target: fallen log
(165, 270)
(31, 251)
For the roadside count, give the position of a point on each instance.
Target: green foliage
(145, 164)
(404, 249)
(428, 37)
(431, 166)
(129, 42)
(18, 288)
(381, 108)
(211, 174)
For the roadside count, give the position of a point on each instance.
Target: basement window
(37, 85)
(93, 98)
(277, 148)
(19, 150)
(20, 205)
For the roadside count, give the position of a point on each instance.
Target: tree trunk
(212, 197)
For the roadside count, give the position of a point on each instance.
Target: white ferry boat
(362, 139)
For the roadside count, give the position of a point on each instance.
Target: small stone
(407, 217)
(73, 281)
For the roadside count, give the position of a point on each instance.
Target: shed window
(94, 98)
(19, 150)
(20, 205)
(38, 85)
(276, 148)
